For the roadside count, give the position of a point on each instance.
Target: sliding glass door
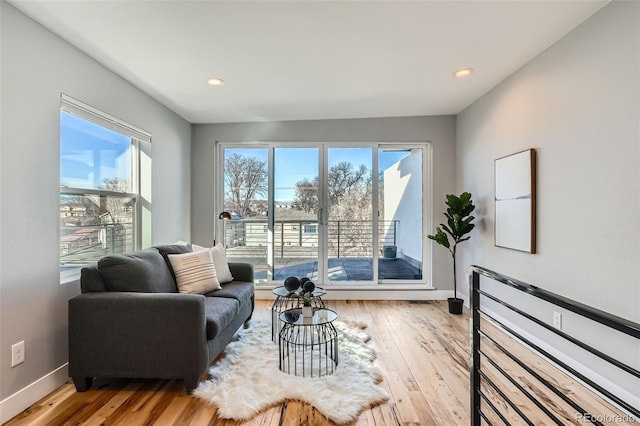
(340, 215)
(349, 218)
(401, 213)
(245, 195)
(295, 211)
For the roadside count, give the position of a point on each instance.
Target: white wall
(36, 67)
(439, 130)
(403, 202)
(578, 105)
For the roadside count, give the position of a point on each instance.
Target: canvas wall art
(515, 201)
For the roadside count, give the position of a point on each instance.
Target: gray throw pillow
(144, 271)
(166, 250)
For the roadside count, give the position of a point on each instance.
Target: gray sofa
(131, 321)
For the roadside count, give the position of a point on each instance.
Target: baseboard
(27, 396)
(386, 294)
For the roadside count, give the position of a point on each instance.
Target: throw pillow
(219, 255)
(143, 271)
(195, 272)
(166, 250)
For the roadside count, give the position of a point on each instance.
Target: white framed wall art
(515, 201)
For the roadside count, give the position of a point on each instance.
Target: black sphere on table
(308, 286)
(291, 283)
(291, 316)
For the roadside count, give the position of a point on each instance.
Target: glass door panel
(400, 200)
(245, 197)
(338, 215)
(295, 229)
(349, 225)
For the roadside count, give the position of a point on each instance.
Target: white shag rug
(247, 380)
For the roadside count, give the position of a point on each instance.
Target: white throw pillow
(195, 272)
(219, 255)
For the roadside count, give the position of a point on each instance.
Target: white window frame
(427, 203)
(138, 137)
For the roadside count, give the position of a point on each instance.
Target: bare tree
(306, 195)
(348, 190)
(245, 178)
(350, 227)
(343, 178)
(115, 209)
(349, 193)
(115, 185)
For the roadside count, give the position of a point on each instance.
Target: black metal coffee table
(285, 301)
(308, 346)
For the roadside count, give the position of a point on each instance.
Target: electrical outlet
(17, 353)
(557, 320)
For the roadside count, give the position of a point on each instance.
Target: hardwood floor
(422, 350)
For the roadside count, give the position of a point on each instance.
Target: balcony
(85, 244)
(95, 223)
(295, 249)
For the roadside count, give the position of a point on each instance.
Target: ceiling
(297, 60)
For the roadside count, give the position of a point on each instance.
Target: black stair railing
(478, 376)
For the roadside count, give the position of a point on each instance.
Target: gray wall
(578, 105)
(440, 131)
(36, 67)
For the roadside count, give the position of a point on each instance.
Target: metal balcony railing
(95, 223)
(300, 238)
(85, 244)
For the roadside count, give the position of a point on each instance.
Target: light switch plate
(17, 353)
(557, 320)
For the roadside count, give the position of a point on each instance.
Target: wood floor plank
(422, 352)
(38, 413)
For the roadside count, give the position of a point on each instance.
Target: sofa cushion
(219, 312)
(195, 272)
(219, 255)
(240, 291)
(166, 250)
(91, 281)
(143, 271)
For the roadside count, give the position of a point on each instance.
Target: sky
(83, 144)
(295, 164)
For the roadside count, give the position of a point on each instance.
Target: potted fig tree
(458, 225)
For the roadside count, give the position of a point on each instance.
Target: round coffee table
(284, 301)
(308, 345)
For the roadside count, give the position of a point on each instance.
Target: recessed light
(215, 81)
(463, 72)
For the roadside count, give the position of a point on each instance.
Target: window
(104, 186)
(310, 229)
(338, 213)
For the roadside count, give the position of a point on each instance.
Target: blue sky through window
(90, 153)
(295, 164)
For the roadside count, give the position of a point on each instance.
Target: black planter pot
(455, 305)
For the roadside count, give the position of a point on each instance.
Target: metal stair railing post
(474, 286)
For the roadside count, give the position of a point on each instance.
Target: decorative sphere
(304, 280)
(291, 283)
(308, 286)
(291, 316)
